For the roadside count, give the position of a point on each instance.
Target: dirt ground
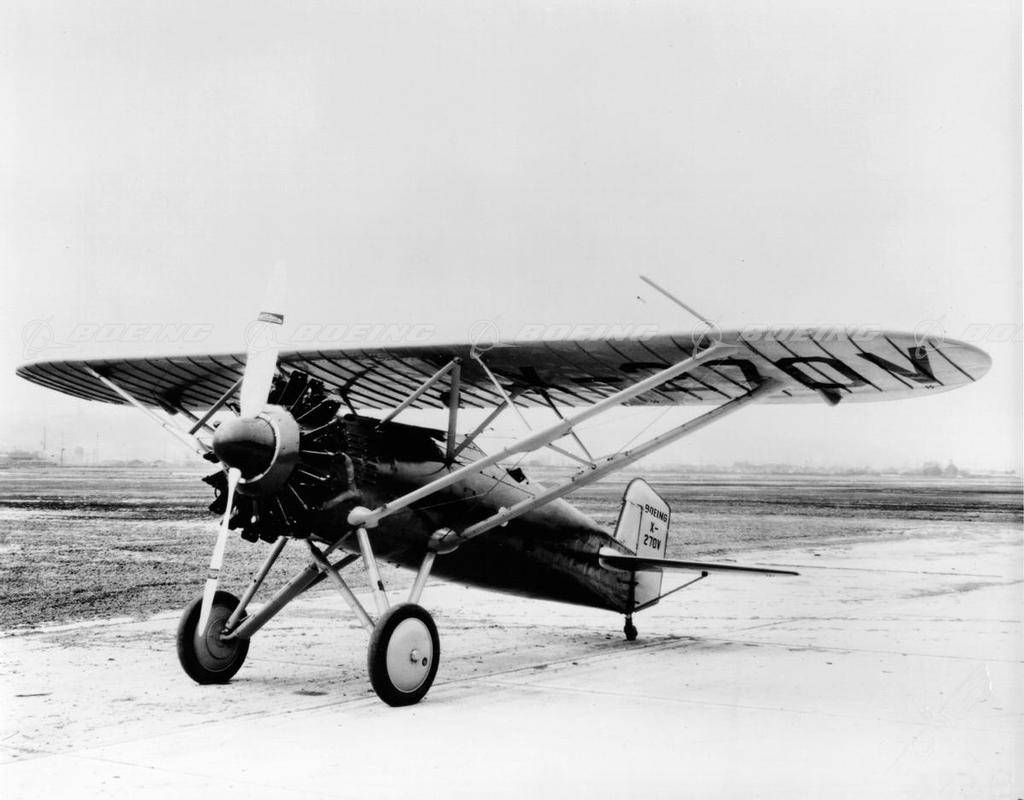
(885, 670)
(96, 543)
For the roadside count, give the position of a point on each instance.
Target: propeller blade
(217, 559)
(260, 363)
(262, 339)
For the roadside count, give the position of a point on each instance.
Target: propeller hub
(264, 448)
(247, 444)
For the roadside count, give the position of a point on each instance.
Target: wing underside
(839, 367)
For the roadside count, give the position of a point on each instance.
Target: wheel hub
(217, 649)
(409, 653)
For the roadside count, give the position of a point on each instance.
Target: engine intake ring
(286, 453)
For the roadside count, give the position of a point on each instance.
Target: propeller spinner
(245, 444)
(264, 449)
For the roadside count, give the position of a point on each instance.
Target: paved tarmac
(884, 670)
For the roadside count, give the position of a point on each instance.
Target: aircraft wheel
(630, 631)
(205, 657)
(404, 654)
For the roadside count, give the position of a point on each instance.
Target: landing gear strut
(404, 650)
(630, 629)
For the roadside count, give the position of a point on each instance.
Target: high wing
(810, 364)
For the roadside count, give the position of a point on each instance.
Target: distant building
(24, 459)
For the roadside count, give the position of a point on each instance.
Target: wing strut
(201, 421)
(188, 439)
(453, 408)
(501, 390)
(418, 393)
(610, 464)
(361, 516)
(471, 437)
(589, 458)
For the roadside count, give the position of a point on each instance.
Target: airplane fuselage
(549, 553)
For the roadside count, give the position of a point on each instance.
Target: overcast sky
(436, 165)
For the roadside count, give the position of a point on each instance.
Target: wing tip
(968, 359)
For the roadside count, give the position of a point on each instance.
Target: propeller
(257, 380)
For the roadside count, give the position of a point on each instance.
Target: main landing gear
(404, 650)
(630, 629)
(205, 655)
(404, 654)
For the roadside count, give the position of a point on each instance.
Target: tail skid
(643, 528)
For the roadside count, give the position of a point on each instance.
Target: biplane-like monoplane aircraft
(303, 458)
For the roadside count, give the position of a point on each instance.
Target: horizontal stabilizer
(612, 559)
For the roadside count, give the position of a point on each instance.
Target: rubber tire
(630, 631)
(376, 657)
(200, 663)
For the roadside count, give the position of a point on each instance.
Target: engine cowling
(291, 456)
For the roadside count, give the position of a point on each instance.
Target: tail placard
(643, 528)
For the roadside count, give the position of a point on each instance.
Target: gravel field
(87, 543)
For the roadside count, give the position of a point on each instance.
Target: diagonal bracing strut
(369, 518)
(610, 464)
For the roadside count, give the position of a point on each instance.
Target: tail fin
(643, 528)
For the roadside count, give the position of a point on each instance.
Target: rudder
(644, 520)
